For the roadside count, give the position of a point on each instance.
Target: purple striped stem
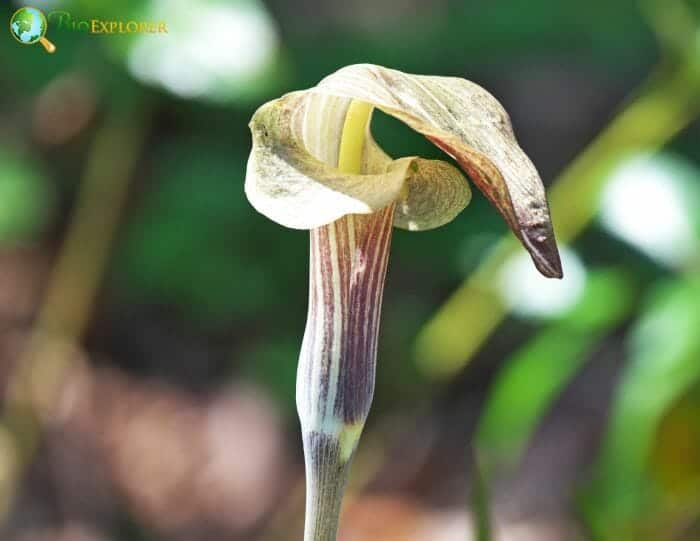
(338, 357)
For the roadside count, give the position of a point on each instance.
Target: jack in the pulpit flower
(315, 165)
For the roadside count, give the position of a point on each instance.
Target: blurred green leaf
(535, 375)
(664, 363)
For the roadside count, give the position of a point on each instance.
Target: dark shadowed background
(150, 319)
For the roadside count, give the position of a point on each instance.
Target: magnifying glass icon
(28, 26)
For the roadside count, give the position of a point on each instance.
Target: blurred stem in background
(480, 498)
(53, 345)
(667, 103)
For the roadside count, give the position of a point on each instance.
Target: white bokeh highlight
(647, 203)
(212, 50)
(529, 294)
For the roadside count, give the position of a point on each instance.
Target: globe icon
(28, 26)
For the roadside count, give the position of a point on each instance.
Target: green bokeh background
(199, 292)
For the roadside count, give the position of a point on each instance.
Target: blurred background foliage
(151, 320)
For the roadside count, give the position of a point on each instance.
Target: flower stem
(335, 381)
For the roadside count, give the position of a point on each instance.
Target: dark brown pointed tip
(550, 269)
(544, 252)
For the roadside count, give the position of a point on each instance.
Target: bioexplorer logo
(63, 20)
(29, 25)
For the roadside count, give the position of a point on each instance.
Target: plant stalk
(335, 381)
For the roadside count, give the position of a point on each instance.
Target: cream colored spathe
(292, 186)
